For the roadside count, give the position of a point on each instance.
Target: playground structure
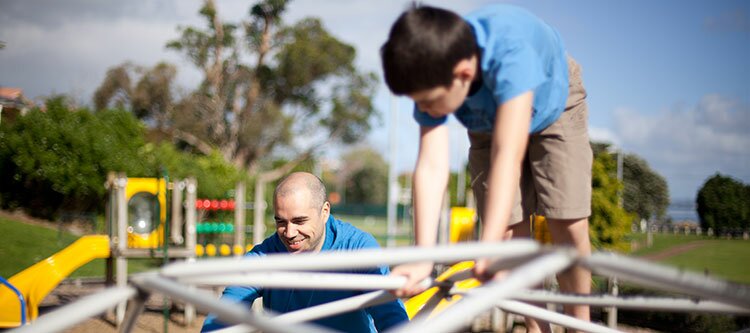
(137, 215)
(528, 263)
(21, 302)
(454, 295)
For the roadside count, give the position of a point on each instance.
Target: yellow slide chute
(35, 282)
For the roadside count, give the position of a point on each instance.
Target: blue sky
(667, 80)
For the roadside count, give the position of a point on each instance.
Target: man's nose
(290, 231)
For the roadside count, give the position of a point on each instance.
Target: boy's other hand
(415, 273)
(480, 270)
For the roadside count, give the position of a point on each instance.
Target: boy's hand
(415, 273)
(480, 270)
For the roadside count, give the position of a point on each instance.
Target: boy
(506, 76)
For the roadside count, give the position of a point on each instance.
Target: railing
(528, 264)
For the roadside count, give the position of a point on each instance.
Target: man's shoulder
(350, 237)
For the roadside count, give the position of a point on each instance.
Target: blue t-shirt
(518, 53)
(340, 236)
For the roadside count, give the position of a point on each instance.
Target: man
(304, 224)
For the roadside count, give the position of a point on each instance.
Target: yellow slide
(35, 282)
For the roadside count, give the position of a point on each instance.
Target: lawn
(377, 226)
(723, 258)
(23, 245)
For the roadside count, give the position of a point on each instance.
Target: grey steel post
(121, 242)
(135, 309)
(177, 188)
(239, 217)
(190, 236)
(259, 209)
(393, 188)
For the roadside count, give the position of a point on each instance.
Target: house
(13, 104)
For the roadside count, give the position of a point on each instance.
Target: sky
(666, 80)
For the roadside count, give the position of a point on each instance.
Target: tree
(150, 98)
(646, 192)
(609, 223)
(58, 158)
(249, 112)
(724, 203)
(365, 175)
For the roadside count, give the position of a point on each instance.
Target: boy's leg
(479, 166)
(577, 280)
(560, 158)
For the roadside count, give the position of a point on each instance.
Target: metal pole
(668, 278)
(239, 217)
(225, 311)
(259, 209)
(177, 188)
(552, 317)
(667, 304)
(393, 187)
(191, 190)
(354, 259)
(78, 311)
(135, 309)
(526, 276)
(121, 241)
(302, 280)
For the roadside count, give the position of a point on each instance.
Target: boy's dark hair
(423, 47)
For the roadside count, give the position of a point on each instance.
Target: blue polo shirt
(340, 236)
(518, 53)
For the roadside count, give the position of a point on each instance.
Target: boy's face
(441, 101)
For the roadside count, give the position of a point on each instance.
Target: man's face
(300, 226)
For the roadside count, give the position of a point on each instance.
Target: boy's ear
(466, 69)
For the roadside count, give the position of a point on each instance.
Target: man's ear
(326, 210)
(466, 69)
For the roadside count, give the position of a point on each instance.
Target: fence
(528, 262)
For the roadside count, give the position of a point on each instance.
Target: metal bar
(552, 317)
(668, 278)
(302, 280)
(353, 259)
(121, 262)
(486, 297)
(239, 218)
(336, 307)
(78, 311)
(324, 310)
(431, 304)
(135, 309)
(667, 304)
(226, 312)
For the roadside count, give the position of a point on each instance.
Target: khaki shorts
(556, 173)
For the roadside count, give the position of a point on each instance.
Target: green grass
(24, 245)
(662, 242)
(726, 259)
(377, 226)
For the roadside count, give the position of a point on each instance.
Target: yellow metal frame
(157, 187)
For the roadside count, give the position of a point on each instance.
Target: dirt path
(673, 251)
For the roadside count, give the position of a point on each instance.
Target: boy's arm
(430, 181)
(510, 138)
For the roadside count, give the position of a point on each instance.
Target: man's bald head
(303, 181)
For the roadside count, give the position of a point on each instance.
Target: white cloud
(690, 144)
